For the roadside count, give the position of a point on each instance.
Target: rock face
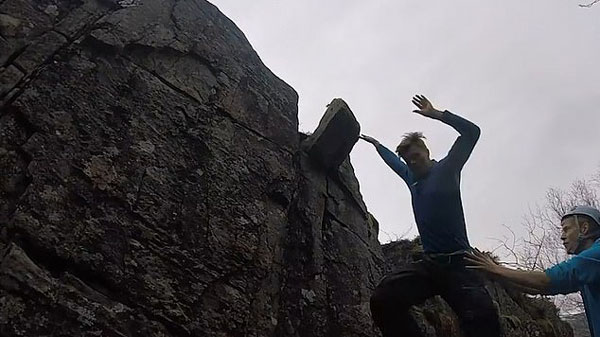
(153, 182)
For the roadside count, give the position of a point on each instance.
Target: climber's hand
(481, 261)
(425, 107)
(369, 139)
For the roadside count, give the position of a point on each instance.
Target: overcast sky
(527, 72)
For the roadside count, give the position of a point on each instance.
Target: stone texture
(333, 255)
(9, 77)
(40, 51)
(9, 25)
(153, 182)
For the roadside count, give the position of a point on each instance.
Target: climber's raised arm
(390, 158)
(469, 132)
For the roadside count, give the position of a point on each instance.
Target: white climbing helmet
(592, 212)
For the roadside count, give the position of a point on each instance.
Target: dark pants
(461, 288)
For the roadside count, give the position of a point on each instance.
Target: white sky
(527, 72)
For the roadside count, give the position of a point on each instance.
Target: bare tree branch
(395, 236)
(590, 4)
(510, 247)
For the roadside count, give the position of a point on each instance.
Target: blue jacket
(580, 273)
(436, 198)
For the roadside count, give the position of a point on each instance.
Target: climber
(581, 237)
(437, 206)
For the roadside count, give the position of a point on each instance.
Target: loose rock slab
(335, 136)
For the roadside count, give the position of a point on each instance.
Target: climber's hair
(409, 139)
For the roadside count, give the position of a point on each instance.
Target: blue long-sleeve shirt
(436, 198)
(580, 273)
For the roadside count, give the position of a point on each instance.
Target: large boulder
(153, 183)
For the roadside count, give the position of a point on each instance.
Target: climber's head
(580, 228)
(415, 153)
